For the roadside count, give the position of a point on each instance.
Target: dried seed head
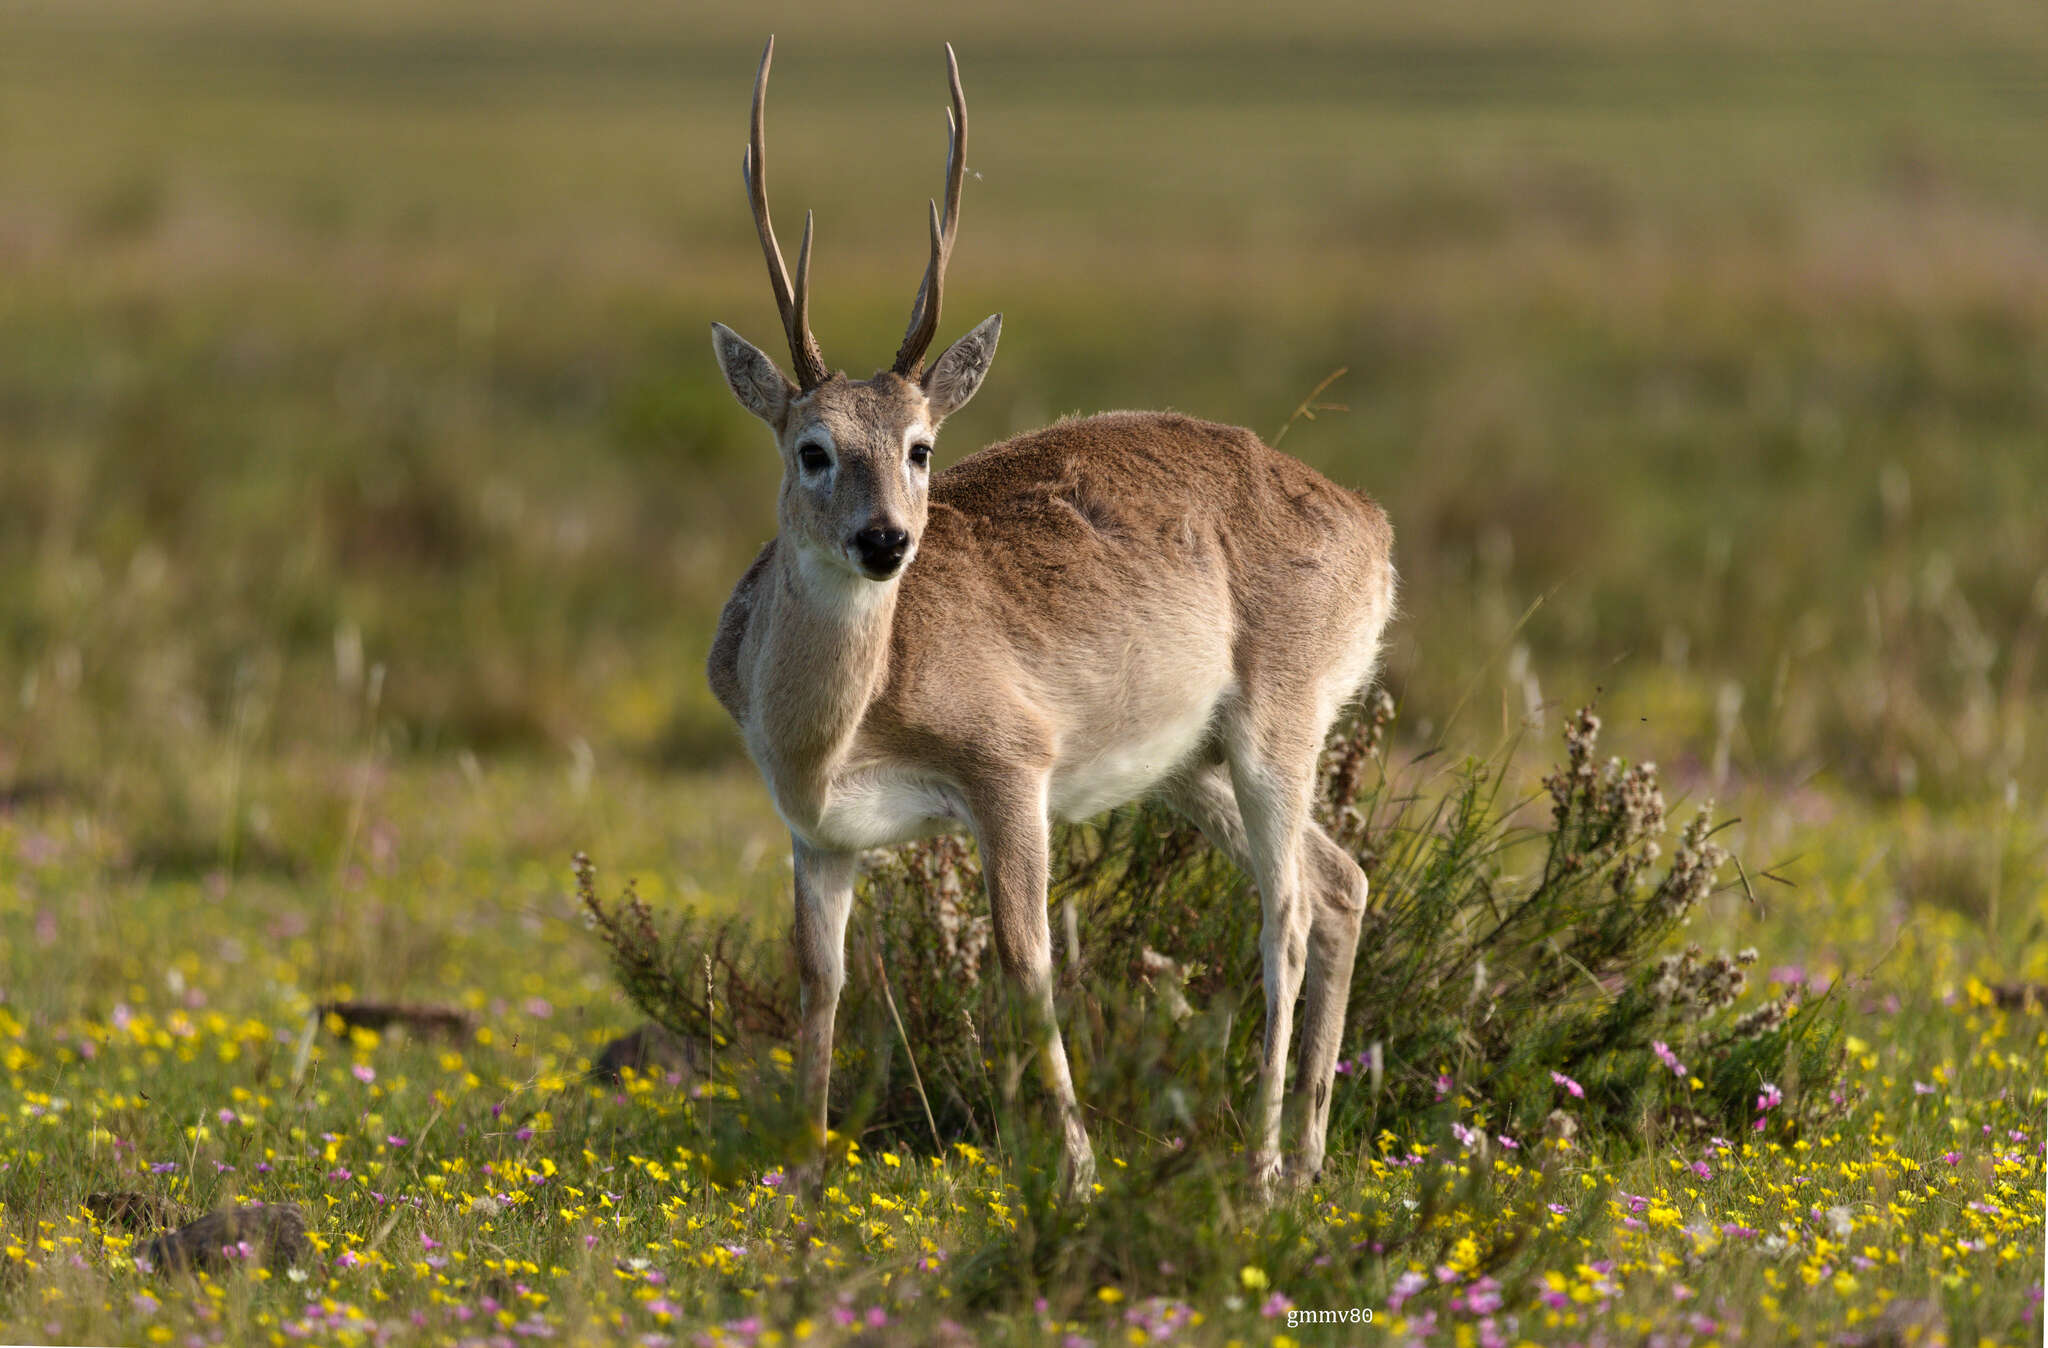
(1694, 985)
(1353, 747)
(1764, 1019)
(1692, 871)
(944, 876)
(1379, 715)
(1632, 803)
(1573, 784)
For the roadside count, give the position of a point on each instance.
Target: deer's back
(1088, 517)
(1138, 568)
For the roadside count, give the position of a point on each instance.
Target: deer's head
(856, 453)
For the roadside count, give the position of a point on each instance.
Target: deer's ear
(760, 387)
(955, 376)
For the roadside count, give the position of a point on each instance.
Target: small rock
(270, 1233)
(651, 1048)
(134, 1212)
(1903, 1321)
(426, 1021)
(2020, 996)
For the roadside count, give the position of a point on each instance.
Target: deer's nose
(881, 550)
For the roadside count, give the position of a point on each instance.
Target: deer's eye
(813, 459)
(921, 455)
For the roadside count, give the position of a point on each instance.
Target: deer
(1116, 607)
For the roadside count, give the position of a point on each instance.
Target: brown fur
(1056, 579)
(1121, 605)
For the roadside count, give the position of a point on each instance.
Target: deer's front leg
(1013, 829)
(824, 898)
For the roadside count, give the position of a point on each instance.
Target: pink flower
(1407, 1285)
(1770, 1098)
(1276, 1305)
(1578, 1092)
(1668, 1058)
(364, 1073)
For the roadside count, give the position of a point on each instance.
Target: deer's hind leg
(1338, 896)
(1312, 900)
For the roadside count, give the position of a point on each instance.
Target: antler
(794, 304)
(924, 315)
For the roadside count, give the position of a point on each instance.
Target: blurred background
(355, 388)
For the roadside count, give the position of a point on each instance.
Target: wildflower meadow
(394, 937)
(468, 1178)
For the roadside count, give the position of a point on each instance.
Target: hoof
(1266, 1176)
(1303, 1171)
(1077, 1184)
(807, 1181)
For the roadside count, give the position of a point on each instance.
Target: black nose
(881, 550)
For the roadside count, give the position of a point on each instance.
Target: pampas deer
(1116, 606)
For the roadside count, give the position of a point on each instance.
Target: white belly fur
(1084, 784)
(881, 805)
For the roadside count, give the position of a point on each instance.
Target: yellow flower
(1109, 1296)
(1254, 1278)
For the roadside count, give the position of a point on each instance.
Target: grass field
(367, 493)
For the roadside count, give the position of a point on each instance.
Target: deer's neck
(817, 667)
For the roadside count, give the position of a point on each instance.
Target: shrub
(1518, 976)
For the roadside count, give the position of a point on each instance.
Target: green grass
(367, 494)
(141, 1004)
